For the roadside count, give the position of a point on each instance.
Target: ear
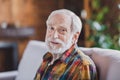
(75, 37)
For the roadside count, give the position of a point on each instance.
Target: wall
(27, 13)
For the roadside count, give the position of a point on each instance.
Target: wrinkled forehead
(59, 18)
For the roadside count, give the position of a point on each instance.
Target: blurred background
(25, 20)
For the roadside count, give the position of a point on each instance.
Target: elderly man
(64, 61)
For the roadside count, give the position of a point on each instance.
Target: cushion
(107, 62)
(31, 60)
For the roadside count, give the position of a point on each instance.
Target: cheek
(64, 38)
(48, 34)
(69, 38)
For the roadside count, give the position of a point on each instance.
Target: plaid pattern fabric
(71, 65)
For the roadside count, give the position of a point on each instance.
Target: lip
(54, 42)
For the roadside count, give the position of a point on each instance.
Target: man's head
(63, 29)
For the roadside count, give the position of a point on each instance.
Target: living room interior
(24, 20)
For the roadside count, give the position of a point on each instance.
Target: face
(59, 37)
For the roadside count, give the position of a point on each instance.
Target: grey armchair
(106, 60)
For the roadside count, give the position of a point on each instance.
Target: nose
(55, 35)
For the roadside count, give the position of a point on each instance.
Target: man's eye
(51, 28)
(63, 30)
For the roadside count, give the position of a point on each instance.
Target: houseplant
(104, 33)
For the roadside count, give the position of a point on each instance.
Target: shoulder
(86, 60)
(87, 65)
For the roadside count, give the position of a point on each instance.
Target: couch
(107, 62)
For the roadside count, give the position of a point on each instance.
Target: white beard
(53, 49)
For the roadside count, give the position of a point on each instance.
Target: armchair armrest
(10, 75)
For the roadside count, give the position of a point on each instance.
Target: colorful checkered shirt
(71, 65)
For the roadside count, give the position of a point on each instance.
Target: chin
(59, 50)
(55, 50)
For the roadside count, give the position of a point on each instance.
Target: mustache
(55, 40)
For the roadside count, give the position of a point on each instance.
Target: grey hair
(76, 22)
